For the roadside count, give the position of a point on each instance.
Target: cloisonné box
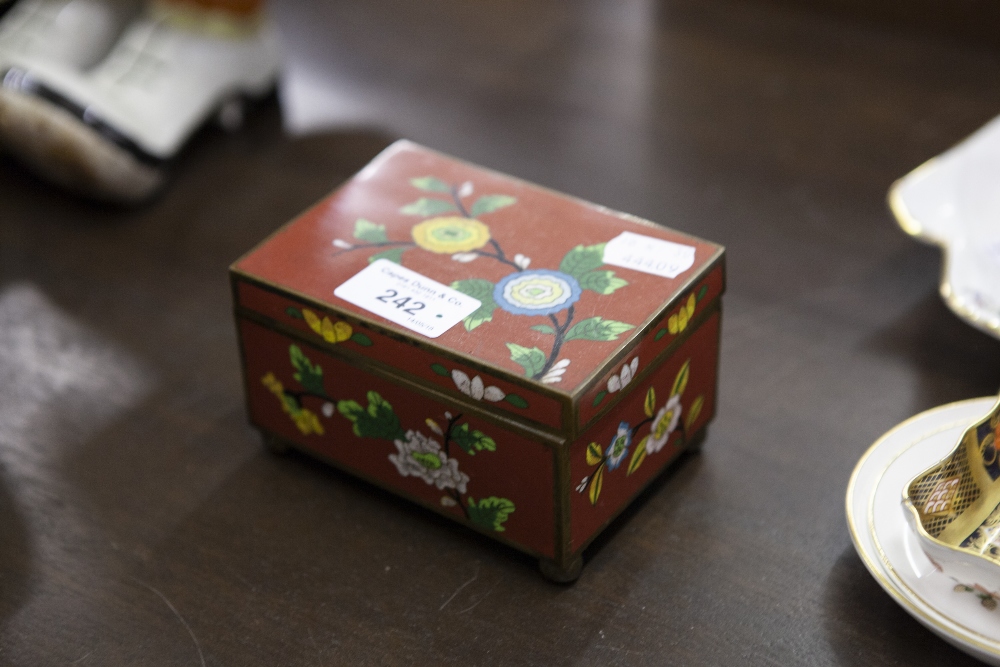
(518, 360)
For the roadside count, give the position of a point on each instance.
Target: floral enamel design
(305, 420)
(422, 457)
(618, 380)
(476, 388)
(555, 373)
(434, 459)
(536, 292)
(664, 423)
(678, 320)
(451, 235)
(327, 329)
(618, 449)
(452, 227)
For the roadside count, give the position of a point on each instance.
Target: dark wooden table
(141, 521)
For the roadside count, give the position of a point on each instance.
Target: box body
(521, 361)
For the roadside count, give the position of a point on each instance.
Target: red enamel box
(521, 361)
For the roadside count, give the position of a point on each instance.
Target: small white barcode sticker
(649, 255)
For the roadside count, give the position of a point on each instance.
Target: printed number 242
(400, 302)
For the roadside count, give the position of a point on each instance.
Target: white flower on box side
(422, 457)
(620, 380)
(476, 388)
(664, 423)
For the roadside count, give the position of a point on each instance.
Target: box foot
(558, 574)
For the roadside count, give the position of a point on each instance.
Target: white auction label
(649, 255)
(407, 298)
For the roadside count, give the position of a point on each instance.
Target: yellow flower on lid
(451, 234)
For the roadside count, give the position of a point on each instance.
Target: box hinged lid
(524, 300)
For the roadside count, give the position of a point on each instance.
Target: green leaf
(516, 401)
(602, 282)
(392, 254)
(582, 259)
(361, 339)
(638, 456)
(681, 381)
(490, 513)
(693, 412)
(293, 312)
(597, 328)
(369, 231)
(600, 397)
(545, 329)
(291, 403)
(660, 334)
(472, 441)
(352, 410)
(427, 207)
(650, 404)
(489, 203)
(427, 460)
(531, 359)
(440, 370)
(596, 484)
(309, 375)
(594, 454)
(378, 420)
(480, 289)
(475, 287)
(430, 184)
(701, 293)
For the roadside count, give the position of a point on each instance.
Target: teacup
(954, 507)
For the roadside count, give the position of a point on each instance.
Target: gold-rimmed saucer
(889, 549)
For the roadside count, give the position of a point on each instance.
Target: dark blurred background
(141, 522)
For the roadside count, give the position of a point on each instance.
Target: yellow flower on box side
(306, 420)
(678, 321)
(331, 333)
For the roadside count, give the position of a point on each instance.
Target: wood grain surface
(142, 523)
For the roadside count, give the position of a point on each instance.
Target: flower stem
(639, 425)
(458, 202)
(593, 475)
(557, 344)
(447, 433)
(500, 257)
(299, 395)
(458, 500)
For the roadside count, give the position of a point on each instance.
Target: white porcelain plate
(953, 201)
(953, 610)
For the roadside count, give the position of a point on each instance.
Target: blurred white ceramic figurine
(99, 95)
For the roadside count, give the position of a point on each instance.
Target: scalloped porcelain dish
(962, 613)
(954, 506)
(953, 201)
